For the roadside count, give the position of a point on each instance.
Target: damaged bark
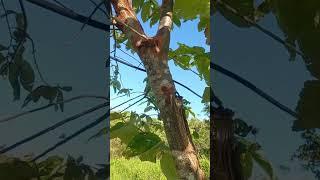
(153, 52)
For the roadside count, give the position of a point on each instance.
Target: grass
(134, 169)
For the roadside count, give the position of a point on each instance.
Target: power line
(252, 87)
(143, 70)
(77, 133)
(60, 123)
(105, 27)
(262, 29)
(51, 128)
(69, 14)
(49, 105)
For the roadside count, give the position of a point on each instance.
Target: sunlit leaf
(141, 142)
(168, 166)
(123, 131)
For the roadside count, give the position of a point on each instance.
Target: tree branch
(165, 24)
(127, 22)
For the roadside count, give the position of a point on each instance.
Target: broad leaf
(168, 166)
(124, 131)
(27, 76)
(141, 143)
(264, 164)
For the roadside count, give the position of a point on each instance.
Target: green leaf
(145, 12)
(4, 69)
(9, 170)
(243, 8)
(168, 166)
(137, 5)
(148, 108)
(307, 107)
(195, 135)
(115, 116)
(176, 20)
(27, 76)
(60, 100)
(247, 164)
(47, 92)
(241, 128)
(155, 16)
(206, 95)
(50, 164)
(141, 143)
(149, 119)
(14, 74)
(124, 131)
(191, 9)
(20, 20)
(124, 91)
(116, 85)
(151, 154)
(264, 164)
(264, 8)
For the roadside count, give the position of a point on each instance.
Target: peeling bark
(153, 51)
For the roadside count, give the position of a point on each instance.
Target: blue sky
(133, 79)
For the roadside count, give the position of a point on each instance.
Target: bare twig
(25, 26)
(129, 27)
(7, 21)
(35, 61)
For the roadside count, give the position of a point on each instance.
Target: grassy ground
(134, 169)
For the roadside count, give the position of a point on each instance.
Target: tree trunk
(225, 157)
(153, 51)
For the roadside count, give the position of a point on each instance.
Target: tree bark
(225, 157)
(153, 52)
